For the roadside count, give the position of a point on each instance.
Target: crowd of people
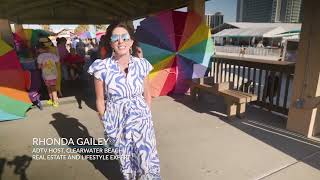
(68, 62)
(62, 63)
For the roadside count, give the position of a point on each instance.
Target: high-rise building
(254, 10)
(214, 20)
(209, 20)
(285, 11)
(218, 19)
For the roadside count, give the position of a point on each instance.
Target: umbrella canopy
(178, 45)
(87, 35)
(27, 40)
(99, 34)
(32, 36)
(13, 96)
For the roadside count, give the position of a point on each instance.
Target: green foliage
(46, 27)
(100, 27)
(81, 28)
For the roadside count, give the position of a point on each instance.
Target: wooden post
(5, 32)
(306, 83)
(231, 108)
(197, 6)
(241, 109)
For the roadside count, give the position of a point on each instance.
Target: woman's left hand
(146, 93)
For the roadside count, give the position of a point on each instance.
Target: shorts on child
(51, 82)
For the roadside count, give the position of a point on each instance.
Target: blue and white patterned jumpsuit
(127, 118)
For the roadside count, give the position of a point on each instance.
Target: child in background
(74, 63)
(47, 62)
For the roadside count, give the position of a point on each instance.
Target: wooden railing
(270, 80)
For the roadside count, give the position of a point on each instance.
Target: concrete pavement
(195, 142)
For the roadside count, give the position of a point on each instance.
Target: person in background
(74, 42)
(242, 51)
(81, 48)
(74, 62)
(137, 50)
(46, 41)
(93, 50)
(63, 52)
(92, 44)
(102, 47)
(47, 62)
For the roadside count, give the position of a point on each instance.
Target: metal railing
(270, 80)
(249, 50)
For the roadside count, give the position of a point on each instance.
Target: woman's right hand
(100, 118)
(100, 104)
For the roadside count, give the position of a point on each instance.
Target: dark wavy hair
(110, 29)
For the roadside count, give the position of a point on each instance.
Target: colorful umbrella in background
(178, 45)
(33, 35)
(26, 41)
(99, 34)
(87, 35)
(13, 96)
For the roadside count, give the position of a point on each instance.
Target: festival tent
(247, 32)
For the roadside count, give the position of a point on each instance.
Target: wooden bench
(235, 100)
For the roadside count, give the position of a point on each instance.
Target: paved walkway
(195, 142)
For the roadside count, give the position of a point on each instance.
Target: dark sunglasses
(117, 37)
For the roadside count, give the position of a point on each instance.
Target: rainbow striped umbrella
(33, 35)
(26, 41)
(178, 45)
(13, 84)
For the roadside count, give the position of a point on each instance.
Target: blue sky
(227, 7)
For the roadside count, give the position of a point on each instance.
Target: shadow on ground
(68, 127)
(20, 164)
(262, 125)
(82, 90)
(2, 165)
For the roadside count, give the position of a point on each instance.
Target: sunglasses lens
(114, 38)
(125, 37)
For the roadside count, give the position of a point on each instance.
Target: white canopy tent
(246, 32)
(264, 30)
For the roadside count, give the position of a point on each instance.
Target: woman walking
(123, 104)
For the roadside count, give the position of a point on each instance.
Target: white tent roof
(274, 31)
(257, 29)
(294, 36)
(247, 32)
(286, 26)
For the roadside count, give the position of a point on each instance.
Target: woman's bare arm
(147, 93)
(98, 84)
